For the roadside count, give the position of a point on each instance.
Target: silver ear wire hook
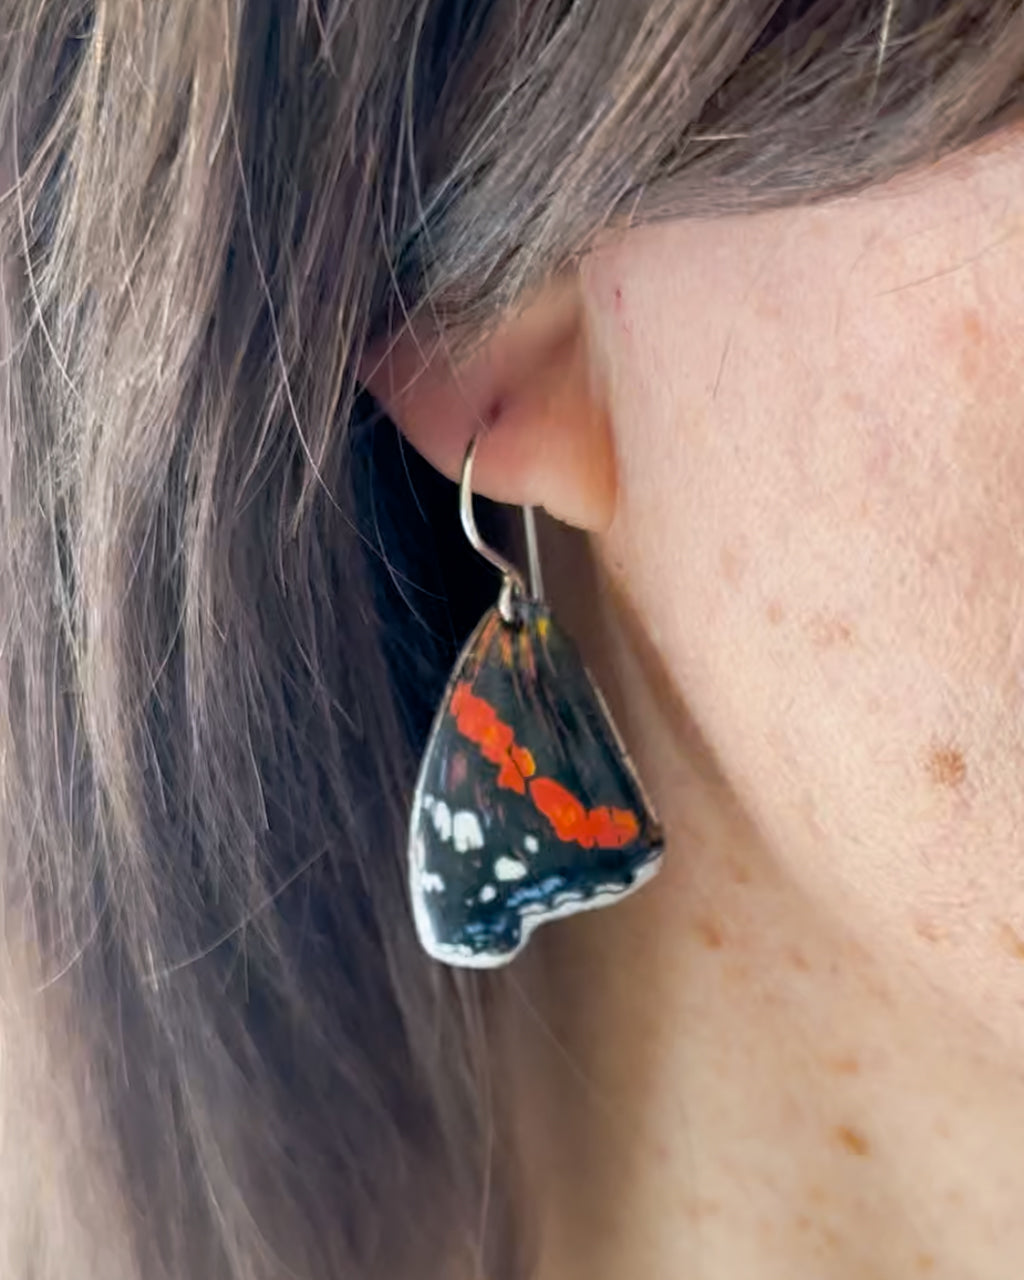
(513, 582)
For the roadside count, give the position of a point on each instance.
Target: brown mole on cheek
(853, 1140)
(1011, 940)
(946, 765)
(710, 934)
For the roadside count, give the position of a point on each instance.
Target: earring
(527, 806)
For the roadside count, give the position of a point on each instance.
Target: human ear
(531, 386)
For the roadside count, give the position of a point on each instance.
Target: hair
(229, 598)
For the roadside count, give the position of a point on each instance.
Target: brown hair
(226, 607)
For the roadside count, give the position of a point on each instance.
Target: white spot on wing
(531, 844)
(466, 832)
(488, 893)
(442, 819)
(509, 868)
(431, 882)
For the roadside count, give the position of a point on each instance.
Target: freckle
(739, 872)
(775, 612)
(845, 1065)
(709, 933)
(928, 929)
(1012, 942)
(853, 1140)
(798, 960)
(925, 1262)
(816, 1193)
(970, 344)
(803, 1223)
(828, 632)
(946, 765)
(733, 565)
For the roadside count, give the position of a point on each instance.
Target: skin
(800, 1050)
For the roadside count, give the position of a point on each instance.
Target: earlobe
(531, 386)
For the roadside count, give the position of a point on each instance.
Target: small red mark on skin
(828, 632)
(845, 1065)
(774, 612)
(946, 766)
(493, 411)
(1011, 940)
(853, 1140)
(620, 309)
(739, 872)
(709, 933)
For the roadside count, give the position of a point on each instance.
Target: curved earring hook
(513, 583)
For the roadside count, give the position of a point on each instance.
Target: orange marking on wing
(605, 827)
(478, 721)
(562, 810)
(613, 828)
(523, 761)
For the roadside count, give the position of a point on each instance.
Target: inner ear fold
(530, 386)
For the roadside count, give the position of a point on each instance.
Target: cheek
(827, 543)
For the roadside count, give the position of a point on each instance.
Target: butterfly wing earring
(527, 806)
